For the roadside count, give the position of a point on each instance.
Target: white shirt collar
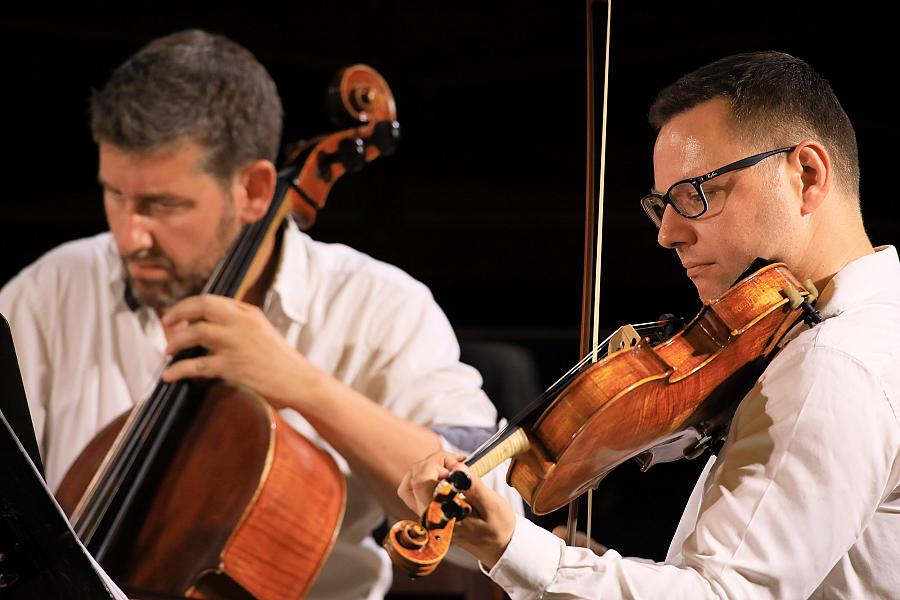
(849, 287)
(294, 277)
(290, 289)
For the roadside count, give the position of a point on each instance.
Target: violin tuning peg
(454, 510)
(460, 480)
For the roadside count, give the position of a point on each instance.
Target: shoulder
(848, 362)
(333, 285)
(340, 268)
(74, 263)
(865, 333)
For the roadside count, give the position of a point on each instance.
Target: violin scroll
(418, 548)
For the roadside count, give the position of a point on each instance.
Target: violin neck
(512, 443)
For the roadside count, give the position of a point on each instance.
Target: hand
(486, 532)
(243, 348)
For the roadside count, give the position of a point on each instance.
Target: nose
(133, 230)
(674, 230)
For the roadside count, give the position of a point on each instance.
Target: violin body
(644, 396)
(658, 402)
(245, 507)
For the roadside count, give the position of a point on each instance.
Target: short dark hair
(775, 99)
(197, 86)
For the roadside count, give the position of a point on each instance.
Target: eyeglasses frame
(698, 181)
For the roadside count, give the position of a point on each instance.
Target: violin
(202, 490)
(653, 402)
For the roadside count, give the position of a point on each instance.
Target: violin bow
(598, 33)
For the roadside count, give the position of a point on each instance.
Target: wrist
(301, 385)
(488, 543)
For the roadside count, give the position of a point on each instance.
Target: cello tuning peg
(385, 136)
(350, 153)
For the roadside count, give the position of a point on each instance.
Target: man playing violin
(358, 354)
(803, 499)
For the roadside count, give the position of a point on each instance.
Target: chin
(152, 298)
(708, 290)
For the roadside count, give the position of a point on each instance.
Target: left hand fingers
(202, 367)
(201, 333)
(417, 487)
(207, 307)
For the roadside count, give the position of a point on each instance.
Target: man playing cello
(357, 352)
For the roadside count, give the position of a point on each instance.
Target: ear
(255, 184)
(814, 167)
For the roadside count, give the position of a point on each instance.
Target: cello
(191, 493)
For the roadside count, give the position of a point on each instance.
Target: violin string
(601, 350)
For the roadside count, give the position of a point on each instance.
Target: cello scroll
(358, 95)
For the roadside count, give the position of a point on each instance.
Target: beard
(180, 283)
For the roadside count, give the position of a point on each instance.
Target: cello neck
(230, 278)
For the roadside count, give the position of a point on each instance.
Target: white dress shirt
(86, 357)
(804, 499)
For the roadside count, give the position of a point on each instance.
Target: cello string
(132, 446)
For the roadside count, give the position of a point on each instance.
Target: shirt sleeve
(808, 460)
(425, 382)
(422, 378)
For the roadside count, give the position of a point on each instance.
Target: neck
(839, 240)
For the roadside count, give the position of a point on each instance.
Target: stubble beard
(181, 283)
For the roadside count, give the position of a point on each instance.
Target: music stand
(40, 556)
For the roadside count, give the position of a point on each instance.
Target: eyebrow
(146, 197)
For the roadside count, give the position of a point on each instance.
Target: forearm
(379, 446)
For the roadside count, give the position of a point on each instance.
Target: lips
(695, 268)
(147, 270)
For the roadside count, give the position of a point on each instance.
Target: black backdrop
(484, 200)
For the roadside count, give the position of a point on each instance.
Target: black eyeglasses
(687, 196)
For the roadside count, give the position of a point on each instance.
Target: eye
(110, 195)
(166, 204)
(713, 193)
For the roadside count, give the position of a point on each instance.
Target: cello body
(219, 523)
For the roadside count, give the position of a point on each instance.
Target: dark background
(484, 200)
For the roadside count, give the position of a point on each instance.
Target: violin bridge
(625, 336)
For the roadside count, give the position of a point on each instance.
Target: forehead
(695, 142)
(152, 171)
